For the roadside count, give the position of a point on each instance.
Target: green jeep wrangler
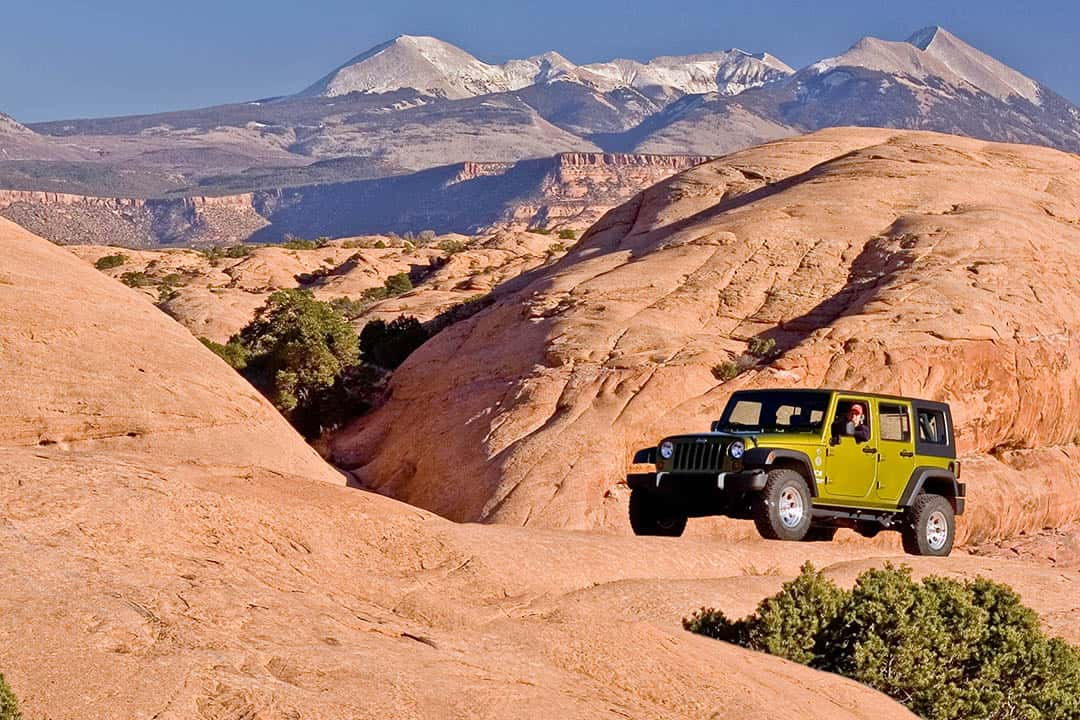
(802, 463)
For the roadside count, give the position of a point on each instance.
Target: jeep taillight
(955, 467)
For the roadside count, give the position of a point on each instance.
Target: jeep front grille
(694, 455)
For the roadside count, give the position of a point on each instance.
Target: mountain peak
(922, 39)
(423, 42)
(974, 66)
(935, 52)
(437, 68)
(421, 62)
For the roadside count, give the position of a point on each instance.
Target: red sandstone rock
(905, 262)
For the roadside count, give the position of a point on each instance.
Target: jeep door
(896, 449)
(851, 465)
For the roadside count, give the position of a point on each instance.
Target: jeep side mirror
(714, 426)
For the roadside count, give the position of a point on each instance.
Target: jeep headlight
(736, 449)
(667, 449)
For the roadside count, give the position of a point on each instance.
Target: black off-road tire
(820, 533)
(930, 526)
(651, 514)
(773, 506)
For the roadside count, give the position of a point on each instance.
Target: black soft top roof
(881, 396)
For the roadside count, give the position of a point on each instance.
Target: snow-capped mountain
(931, 81)
(727, 72)
(439, 69)
(426, 64)
(418, 102)
(933, 52)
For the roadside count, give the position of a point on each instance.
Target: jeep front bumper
(675, 482)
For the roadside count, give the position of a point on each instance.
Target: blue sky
(84, 58)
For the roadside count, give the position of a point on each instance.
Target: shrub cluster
(398, 284)
(215, 253)
(294, 351)
(353, 308)
(757, 349)
(295, 243)
(452, 247)
(726, 371)
(136, 279)
(107, 262)
(761, 347)
(946, 649)
(9, 707)
(305, 356)
(295, 346)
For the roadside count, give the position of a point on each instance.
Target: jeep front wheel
(653, 515)
(930, 526)
(782, 508)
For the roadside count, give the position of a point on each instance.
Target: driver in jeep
(856, 424)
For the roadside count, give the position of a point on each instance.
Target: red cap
(855, 410)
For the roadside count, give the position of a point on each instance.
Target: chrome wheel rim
(937, 530)
(791, 507)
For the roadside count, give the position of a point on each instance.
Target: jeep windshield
(774, 411)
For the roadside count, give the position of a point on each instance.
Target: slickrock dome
(905, 262)
(167, 549)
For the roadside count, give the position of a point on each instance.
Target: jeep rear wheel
(782, 508)
(651, 514)
(930, 526)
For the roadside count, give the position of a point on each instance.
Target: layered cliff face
(133, 222)
(576, 189)
(902, 262)
(568, 190)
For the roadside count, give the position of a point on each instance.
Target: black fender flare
(766, 457)
(645, 456)
(940, 477)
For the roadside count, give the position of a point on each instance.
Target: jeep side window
(932, 427)
(852, 419)
(895, 423)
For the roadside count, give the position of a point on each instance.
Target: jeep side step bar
(887, 518)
